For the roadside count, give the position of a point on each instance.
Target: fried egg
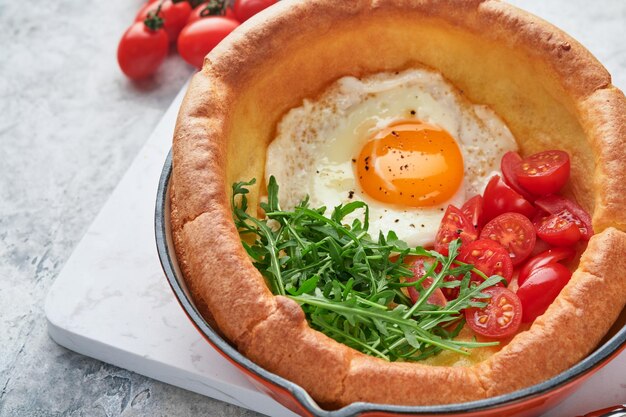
(408, 144)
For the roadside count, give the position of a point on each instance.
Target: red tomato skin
(419, 270)
(554, 168)
(174, 15)
(502, 229)
(540, 289)
(454, 225)
(141, 51)
(557, 231)
(195, 14)
(550, 256)
(245, 9)
(508, 164)
(489, 257)
(199, 38)
(555, 204)
(492, 328)
(473, 211)
(499, 198)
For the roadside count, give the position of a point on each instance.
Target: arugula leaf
(350, 285)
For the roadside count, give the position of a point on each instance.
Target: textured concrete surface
(70, 124)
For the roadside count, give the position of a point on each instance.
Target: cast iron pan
(168, 261)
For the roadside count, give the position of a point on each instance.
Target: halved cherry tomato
(548, 257)
(174, 16)
(473, 211)
(501, 317)
(419, 270)
(557, 230)
(245, 9)
(499, 198)
(198, 12)
(567, 209)
(540, 289)
(454, 225)
(543, 173)
(141, 51)
(489, 257)
(508, 164)
(199, 38)
(514, 232)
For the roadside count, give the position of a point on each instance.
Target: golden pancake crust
(551, 92)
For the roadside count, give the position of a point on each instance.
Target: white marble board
(112, 302)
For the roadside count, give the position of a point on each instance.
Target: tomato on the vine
(550, 256)
(174, 15)
(514, 232)
(141, 50)
(540, 289)
(499, 198)
(501, 317)
(199, 38)
(245, 9)
(543, 173)
(417, 266)
(201, 12)
(454, 225)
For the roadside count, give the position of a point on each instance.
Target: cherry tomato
(557, 230)
(141, 51)
(509, 162)
(200, 37)
(569, 210)
(454, 225)
(489, 257)
(499, 198)
(196, 14)
(540, 289)
(544, 258)
(501, 317)
(419, 270)
(174, 16)
(473, 211)
(245, 9)
(514, 232)
(543, 173)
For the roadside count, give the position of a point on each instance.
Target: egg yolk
(411, 164)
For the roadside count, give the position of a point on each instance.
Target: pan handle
(615, 411)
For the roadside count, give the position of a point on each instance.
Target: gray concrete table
(70, 125)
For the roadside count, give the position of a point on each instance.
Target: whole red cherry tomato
(417, 266)
(454, 225)
(141, 51)
(557, 230)
(245, 9)
(501, 317)
(555, 204)
(508, 164)
(540, 289)
(543, 173)
(489, 257)
(473, 211)
(174, 16)
(199, 38)
(514, 232)
(550, 256)
(200, 13)
(499, 198)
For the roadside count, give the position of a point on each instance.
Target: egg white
(316, 143)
